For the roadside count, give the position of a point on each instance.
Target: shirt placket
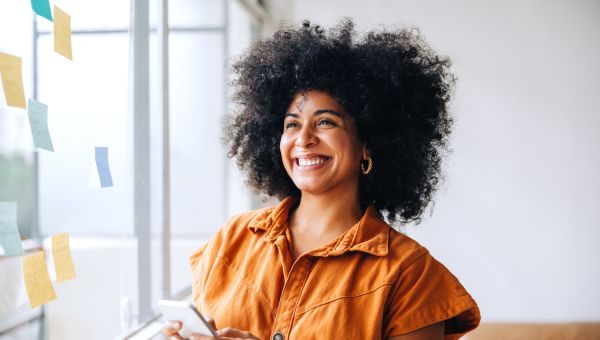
(290, 297)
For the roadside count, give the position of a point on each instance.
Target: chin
(312, 188)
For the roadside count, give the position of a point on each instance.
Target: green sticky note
(42, 8)
(38, 120)
(10, 239)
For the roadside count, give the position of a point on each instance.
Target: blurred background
(517, 219)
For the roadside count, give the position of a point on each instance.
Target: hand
(226, 333)
(171, 329)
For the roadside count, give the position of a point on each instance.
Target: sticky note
(42, 8)
(62, 33)
(12, 80)
(63, 262)
(102, 166)
(10, 239)
(37, 280)
(38, 121)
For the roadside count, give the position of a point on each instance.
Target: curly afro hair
(392, 83)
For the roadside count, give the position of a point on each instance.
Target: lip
(310, 167)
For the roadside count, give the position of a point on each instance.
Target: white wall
(517, 220)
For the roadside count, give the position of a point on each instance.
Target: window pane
(197, 156)
(16, 144)
(91, 15)
(195, 13)
(17, 184)
(87, 107)
(88, 101)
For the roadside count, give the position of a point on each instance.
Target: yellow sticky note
(12, 80)
(61, 253)
(37, 280)
(62, 33)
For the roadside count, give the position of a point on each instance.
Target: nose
(306, 137)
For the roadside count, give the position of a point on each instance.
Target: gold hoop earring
(369, 166)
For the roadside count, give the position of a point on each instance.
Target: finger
(201, 337)
(211, 322)
(171, 328)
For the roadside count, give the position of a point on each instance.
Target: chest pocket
(346, 284)
(343, 306)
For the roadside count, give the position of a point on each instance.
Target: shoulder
(231, 233)
(248, 221)
(246, 227)
(403, 250)
(414, 262)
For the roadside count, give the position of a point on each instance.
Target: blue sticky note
(102, 166)
(38, 120)
(42, 8)
(10, 239)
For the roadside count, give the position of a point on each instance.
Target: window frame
(140, 32)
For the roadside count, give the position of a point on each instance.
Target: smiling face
(319, 145)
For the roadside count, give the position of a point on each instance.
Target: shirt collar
(370, 234)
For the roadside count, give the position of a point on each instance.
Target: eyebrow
(316, 113)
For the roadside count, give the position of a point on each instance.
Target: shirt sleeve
(425, 293)
(202, 262)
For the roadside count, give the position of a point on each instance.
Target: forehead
(309, 101)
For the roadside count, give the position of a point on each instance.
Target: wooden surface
(537, 331)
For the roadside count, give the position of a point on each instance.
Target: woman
(345, 130)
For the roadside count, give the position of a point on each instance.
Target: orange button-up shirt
(370, 283)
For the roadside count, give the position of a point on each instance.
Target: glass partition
(89, 105)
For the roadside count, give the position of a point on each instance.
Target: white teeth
(311, 161)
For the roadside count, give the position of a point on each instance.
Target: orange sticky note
(62, 33)
(37, 280)
(12, 80)
(63, 262)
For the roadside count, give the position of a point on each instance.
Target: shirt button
(277, 336)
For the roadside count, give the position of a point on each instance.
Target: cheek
(352, 149)
(284, 150)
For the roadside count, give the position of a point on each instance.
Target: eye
(290, 125)
(326, 122)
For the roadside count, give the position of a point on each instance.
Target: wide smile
(311, 163)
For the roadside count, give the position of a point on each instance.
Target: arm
(431, 332)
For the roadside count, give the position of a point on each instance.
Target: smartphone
(191, 320)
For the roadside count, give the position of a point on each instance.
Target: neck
(321, 215)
